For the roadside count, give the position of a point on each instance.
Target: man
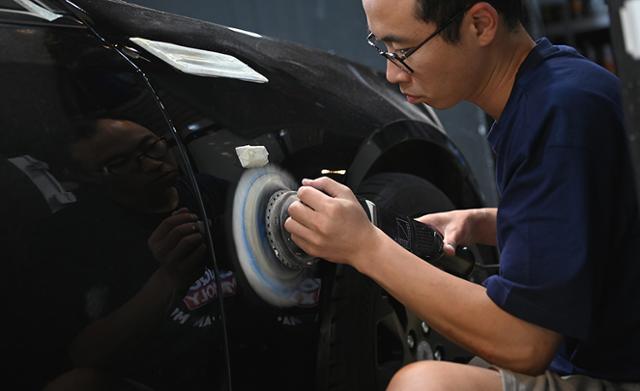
(566, 297)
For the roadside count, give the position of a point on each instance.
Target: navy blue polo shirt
(567, 222)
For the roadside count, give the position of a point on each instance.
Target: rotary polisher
(278, 270)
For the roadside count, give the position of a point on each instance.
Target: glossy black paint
(77, 253)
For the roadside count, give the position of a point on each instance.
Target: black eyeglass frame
(109, 169)
(399, 58)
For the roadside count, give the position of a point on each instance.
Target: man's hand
(464, 227)
(328, 222)
(177, 244)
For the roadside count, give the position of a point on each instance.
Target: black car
(112, 118)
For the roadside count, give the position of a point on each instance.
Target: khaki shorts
(550, 381)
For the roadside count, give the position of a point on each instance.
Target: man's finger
(434, 219)
(170, 223)
(303, 214)
(187, 245)
(313, 198)
(173, 238)
(328, 186)
(305, 245)
(426, 219)
(451, 240)
(449, 248)
(299, 230)
(181, 210)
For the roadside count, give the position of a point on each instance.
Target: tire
(364, 337)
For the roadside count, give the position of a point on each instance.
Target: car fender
(421, 149)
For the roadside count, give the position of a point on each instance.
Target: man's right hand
(177, 244)
(464, 227)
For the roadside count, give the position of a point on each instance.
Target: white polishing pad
(270, 279)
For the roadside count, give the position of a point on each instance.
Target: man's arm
(329, 223)
(458, 309)
(464, 227)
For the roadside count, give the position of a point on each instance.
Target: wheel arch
(420, 149)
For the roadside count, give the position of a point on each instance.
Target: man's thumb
(449, 247)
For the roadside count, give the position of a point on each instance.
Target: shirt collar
(543, 49)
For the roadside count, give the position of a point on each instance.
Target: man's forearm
(484, 226)
(459, 309)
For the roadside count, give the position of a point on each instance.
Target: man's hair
(440, 11)
(77, 131)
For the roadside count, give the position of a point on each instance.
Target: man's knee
(423, 375)
(444, 376)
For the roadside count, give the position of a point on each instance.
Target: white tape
(253, 156)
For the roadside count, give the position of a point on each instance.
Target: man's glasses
(400, 57)
(157, 150)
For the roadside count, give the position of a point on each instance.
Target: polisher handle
(421, 239)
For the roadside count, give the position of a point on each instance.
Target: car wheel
(367, 335)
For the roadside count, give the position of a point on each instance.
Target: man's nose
(395, 75)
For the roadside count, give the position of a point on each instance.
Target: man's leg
(438, 375)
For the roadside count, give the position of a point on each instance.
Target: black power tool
(420, 239)
(278, 270)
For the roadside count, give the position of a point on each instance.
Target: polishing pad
(273, 280)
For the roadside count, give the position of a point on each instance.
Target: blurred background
(339, 27)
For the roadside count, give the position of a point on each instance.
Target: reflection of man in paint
(135, 169)
(139, 173)
(132, 162)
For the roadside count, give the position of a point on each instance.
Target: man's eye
(403, 51)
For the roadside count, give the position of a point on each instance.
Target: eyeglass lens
(157, 150)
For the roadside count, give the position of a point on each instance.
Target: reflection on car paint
(38, 10)
(200, 62)
(50, 188)
(204, 289)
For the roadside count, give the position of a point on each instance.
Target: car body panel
(70, 250)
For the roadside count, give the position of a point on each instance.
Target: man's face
(119, 147)
(444, 73)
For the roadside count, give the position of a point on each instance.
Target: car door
(108, 257)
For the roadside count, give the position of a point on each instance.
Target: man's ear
(483, 21)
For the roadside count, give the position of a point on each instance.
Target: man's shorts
(550, 381)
